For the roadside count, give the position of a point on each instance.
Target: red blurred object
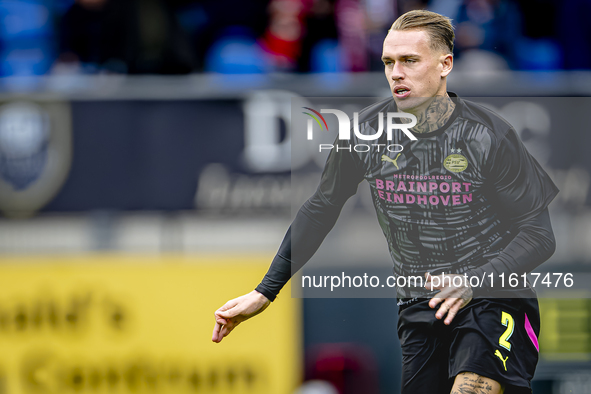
(283, 37)
(350, 367)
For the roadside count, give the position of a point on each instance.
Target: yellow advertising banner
(140, 324)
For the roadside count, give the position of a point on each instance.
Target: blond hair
(438, 27)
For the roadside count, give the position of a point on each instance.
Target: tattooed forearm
(471, 383)
(435, 115)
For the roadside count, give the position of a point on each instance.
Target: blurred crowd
(39, 37)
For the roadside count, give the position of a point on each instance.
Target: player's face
(415, 71)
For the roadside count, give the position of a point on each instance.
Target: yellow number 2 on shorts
(507, 321)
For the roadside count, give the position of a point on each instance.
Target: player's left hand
(452, 298)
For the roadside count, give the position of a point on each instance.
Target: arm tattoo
(473, 384)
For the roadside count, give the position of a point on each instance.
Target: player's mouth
(401, 92)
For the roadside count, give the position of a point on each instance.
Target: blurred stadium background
(144, 181)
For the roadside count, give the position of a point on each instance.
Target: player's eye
(388, 62)
(410, 61)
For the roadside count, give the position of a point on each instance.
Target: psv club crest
(455, 162)
(35, 154)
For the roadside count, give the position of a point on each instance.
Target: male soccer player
(465, 199)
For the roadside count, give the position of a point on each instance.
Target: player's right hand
(236, 311)
(451, 297)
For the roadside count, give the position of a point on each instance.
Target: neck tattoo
(435, 116)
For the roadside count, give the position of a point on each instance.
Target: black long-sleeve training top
(465, 198)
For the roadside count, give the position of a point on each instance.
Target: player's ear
(447, 61)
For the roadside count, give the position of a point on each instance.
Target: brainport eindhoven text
(410, 192)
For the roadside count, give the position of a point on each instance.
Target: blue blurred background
(42, 37)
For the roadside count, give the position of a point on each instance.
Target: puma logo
(386, 158)
(504, 360)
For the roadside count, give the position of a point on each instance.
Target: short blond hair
(438, 27)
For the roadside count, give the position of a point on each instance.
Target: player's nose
(397, 72)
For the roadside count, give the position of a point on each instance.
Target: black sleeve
(533, 244)
(521, 192)
(340, 179)
(521, 188)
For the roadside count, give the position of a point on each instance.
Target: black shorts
(496, 338)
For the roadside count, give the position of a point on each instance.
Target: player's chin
(409, 103)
